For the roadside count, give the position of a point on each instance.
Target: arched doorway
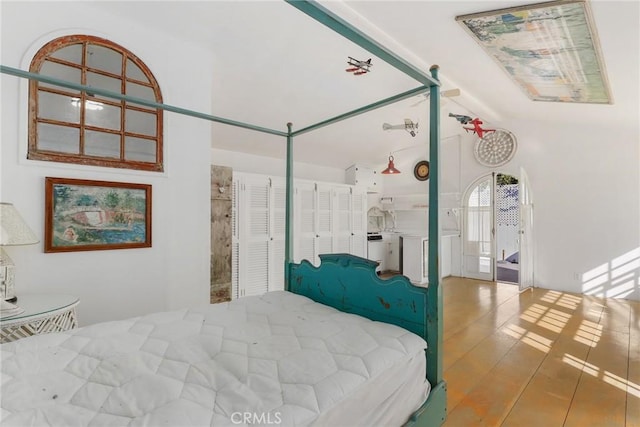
(478, 244)
(497, 229)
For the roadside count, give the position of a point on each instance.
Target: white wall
(586, 187)
(114, 284)
(242, 162)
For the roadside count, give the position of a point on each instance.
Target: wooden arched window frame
(70, 126)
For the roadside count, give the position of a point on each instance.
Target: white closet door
(277, 226)
(325, 226)
(305, 233)
(342, 218)
(328, 218)
(358, 223)
(256, 251)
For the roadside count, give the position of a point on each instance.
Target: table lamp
(13, 231)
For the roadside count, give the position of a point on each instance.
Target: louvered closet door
(358, 223)
(278, 194)
(235, 240)
(305, 228)
(325, 226)
(342, 229)
(255, 253)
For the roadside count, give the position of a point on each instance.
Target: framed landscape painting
(84, 215)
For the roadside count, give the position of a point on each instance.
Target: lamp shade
(391, 169)
(13, 229)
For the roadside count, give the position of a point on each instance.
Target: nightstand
(43, 313)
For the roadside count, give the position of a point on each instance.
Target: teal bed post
(288, 233)
(434, 305)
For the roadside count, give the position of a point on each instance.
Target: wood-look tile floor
(540, 358)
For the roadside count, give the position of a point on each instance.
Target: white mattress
(275, 359)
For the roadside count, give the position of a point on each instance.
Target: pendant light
(391, 169)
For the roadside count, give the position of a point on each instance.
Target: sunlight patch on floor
(595, 310)
(623, 384)
(569, 301)
(607, 377)
(580, 364)
(546, 317)
(561, 299)
(554, 320)
(533, 313)
(537, 341)
(530, 338)
(551, 296)
(514, 331)
(588, 333)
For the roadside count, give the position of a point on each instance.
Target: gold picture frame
(86, 215)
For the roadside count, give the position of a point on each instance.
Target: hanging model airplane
(358, 67)
(477, 129)
(462, 119)
(476, 123)
(408, 125)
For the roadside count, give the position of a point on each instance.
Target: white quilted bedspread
(279, 357)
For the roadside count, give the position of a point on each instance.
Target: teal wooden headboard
(349, 283)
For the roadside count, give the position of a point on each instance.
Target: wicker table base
(43, 314)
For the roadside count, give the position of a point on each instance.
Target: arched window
(67, 125)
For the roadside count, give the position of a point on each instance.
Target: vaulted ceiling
(273, 65)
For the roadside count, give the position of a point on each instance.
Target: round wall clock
(421, 171)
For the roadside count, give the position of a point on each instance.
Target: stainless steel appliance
(374, 236)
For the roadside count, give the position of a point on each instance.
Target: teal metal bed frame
(346, 282)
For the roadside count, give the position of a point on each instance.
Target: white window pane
(58, 107)
(71, 53)
(101, 144)
(102, 115)
(140, 91)
(104, 82)
(484, 265)
(134, 72)
(62, 72)
(61, 139)
(139, 122)
(138, 149)
(104, 58)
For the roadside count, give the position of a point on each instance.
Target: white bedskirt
(276, 359)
